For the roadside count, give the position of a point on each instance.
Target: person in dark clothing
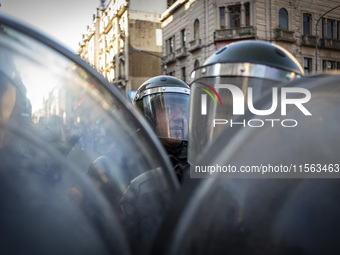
(164, 102)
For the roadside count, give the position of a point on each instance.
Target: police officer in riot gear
(164, 102)
(246, 64)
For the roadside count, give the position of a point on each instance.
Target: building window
(327, 28)
(283, 19)
(247, 12)
(183, 74)
(307, 65)
(196, 29)
(328, 65)
(196, 64)
(184, 37)
(307, 24)
(235, 15)
(330, 29)
(323, 33)
(170, 45)
(222, 17)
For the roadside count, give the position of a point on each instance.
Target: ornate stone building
(118, 29)
(194, 29)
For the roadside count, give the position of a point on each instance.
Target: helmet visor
(168, 115)
(211, 107)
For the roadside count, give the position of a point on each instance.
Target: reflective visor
(168, 114)
(245, 70)
(211, 104)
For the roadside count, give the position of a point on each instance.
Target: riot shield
(282, 197)
(74, 113)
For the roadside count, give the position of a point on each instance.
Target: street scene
(173, 127)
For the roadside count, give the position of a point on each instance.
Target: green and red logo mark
(204, 97)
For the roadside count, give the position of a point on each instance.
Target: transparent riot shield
(212, 105)
(282, 197)
(59, 100)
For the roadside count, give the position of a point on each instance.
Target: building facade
(194, 29)
(124, 42)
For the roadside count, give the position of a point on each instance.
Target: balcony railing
(195, 44)
(330, 43)
(308, 40)
(181, 53)
(170, 57)
(284, 35)
(234, 33)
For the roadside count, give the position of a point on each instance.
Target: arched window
(283, 19)
(196, 29)
(196, 64)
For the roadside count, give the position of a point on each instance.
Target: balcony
(308, 40)
(181, 53)
(170, 58)
(195, 44)
(332, 44)
(235, 33)
(284, 35)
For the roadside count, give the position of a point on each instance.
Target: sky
(63, 20)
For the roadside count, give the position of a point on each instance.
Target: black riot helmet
(257, 65)
(164, 102)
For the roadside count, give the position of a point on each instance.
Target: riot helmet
(233, 74)
(164, 102)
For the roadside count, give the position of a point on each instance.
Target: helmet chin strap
(175, 152)
(180, 165)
